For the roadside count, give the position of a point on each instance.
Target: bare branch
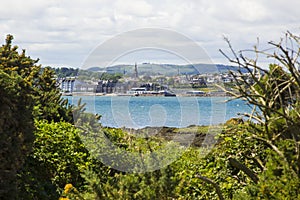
(214, 184)
(233, 162)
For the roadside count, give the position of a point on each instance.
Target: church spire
(136, 71)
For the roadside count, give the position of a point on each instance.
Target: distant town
(138, 83)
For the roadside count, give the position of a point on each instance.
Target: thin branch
(254, 117)
(233, 162)
(214, 184)
(269, 142)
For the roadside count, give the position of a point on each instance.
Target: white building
(66, 84)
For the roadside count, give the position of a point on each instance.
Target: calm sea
(138, 112)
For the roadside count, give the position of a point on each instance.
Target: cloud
(173, 45)
(137, 8)
(65, 32)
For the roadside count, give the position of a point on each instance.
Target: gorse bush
(58, 157)
(48, 102)
(17, 77)
(27, 92)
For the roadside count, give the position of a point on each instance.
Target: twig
(216, 186)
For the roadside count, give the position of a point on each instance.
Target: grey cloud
(67, 31)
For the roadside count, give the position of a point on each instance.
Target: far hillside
(167, 69)
(149, 69)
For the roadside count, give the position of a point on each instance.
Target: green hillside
(166, 69)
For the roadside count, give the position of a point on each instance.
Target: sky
(64, 33)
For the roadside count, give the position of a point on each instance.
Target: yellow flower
(63, 198)
(68, 187)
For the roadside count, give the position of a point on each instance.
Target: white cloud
(65, 32)
(138, 8)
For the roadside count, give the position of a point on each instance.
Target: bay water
(158, 111)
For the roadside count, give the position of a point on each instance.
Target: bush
(26, 92)
(58, 158)
(16, 114)
(274, 122)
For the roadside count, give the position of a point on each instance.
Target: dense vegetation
(27, 92)
(50, 150)
(86, 75)
(66, 72)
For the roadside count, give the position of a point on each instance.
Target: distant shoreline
(214, 94)
(192, 135)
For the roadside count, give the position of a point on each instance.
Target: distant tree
(171, 81)
(111, 77)
(147, 78)
(65, 72)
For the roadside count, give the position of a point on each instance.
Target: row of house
(206, 79)
(72, 84)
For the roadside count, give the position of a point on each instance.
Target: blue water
(138, 112)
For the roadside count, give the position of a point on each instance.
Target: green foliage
(16, 119)
(151, 185)
(111, 77)
(26, 92)
(275, 96)
(65, 72)
(49, 104)
(58, 157)
(277, 180)
(108, 183)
